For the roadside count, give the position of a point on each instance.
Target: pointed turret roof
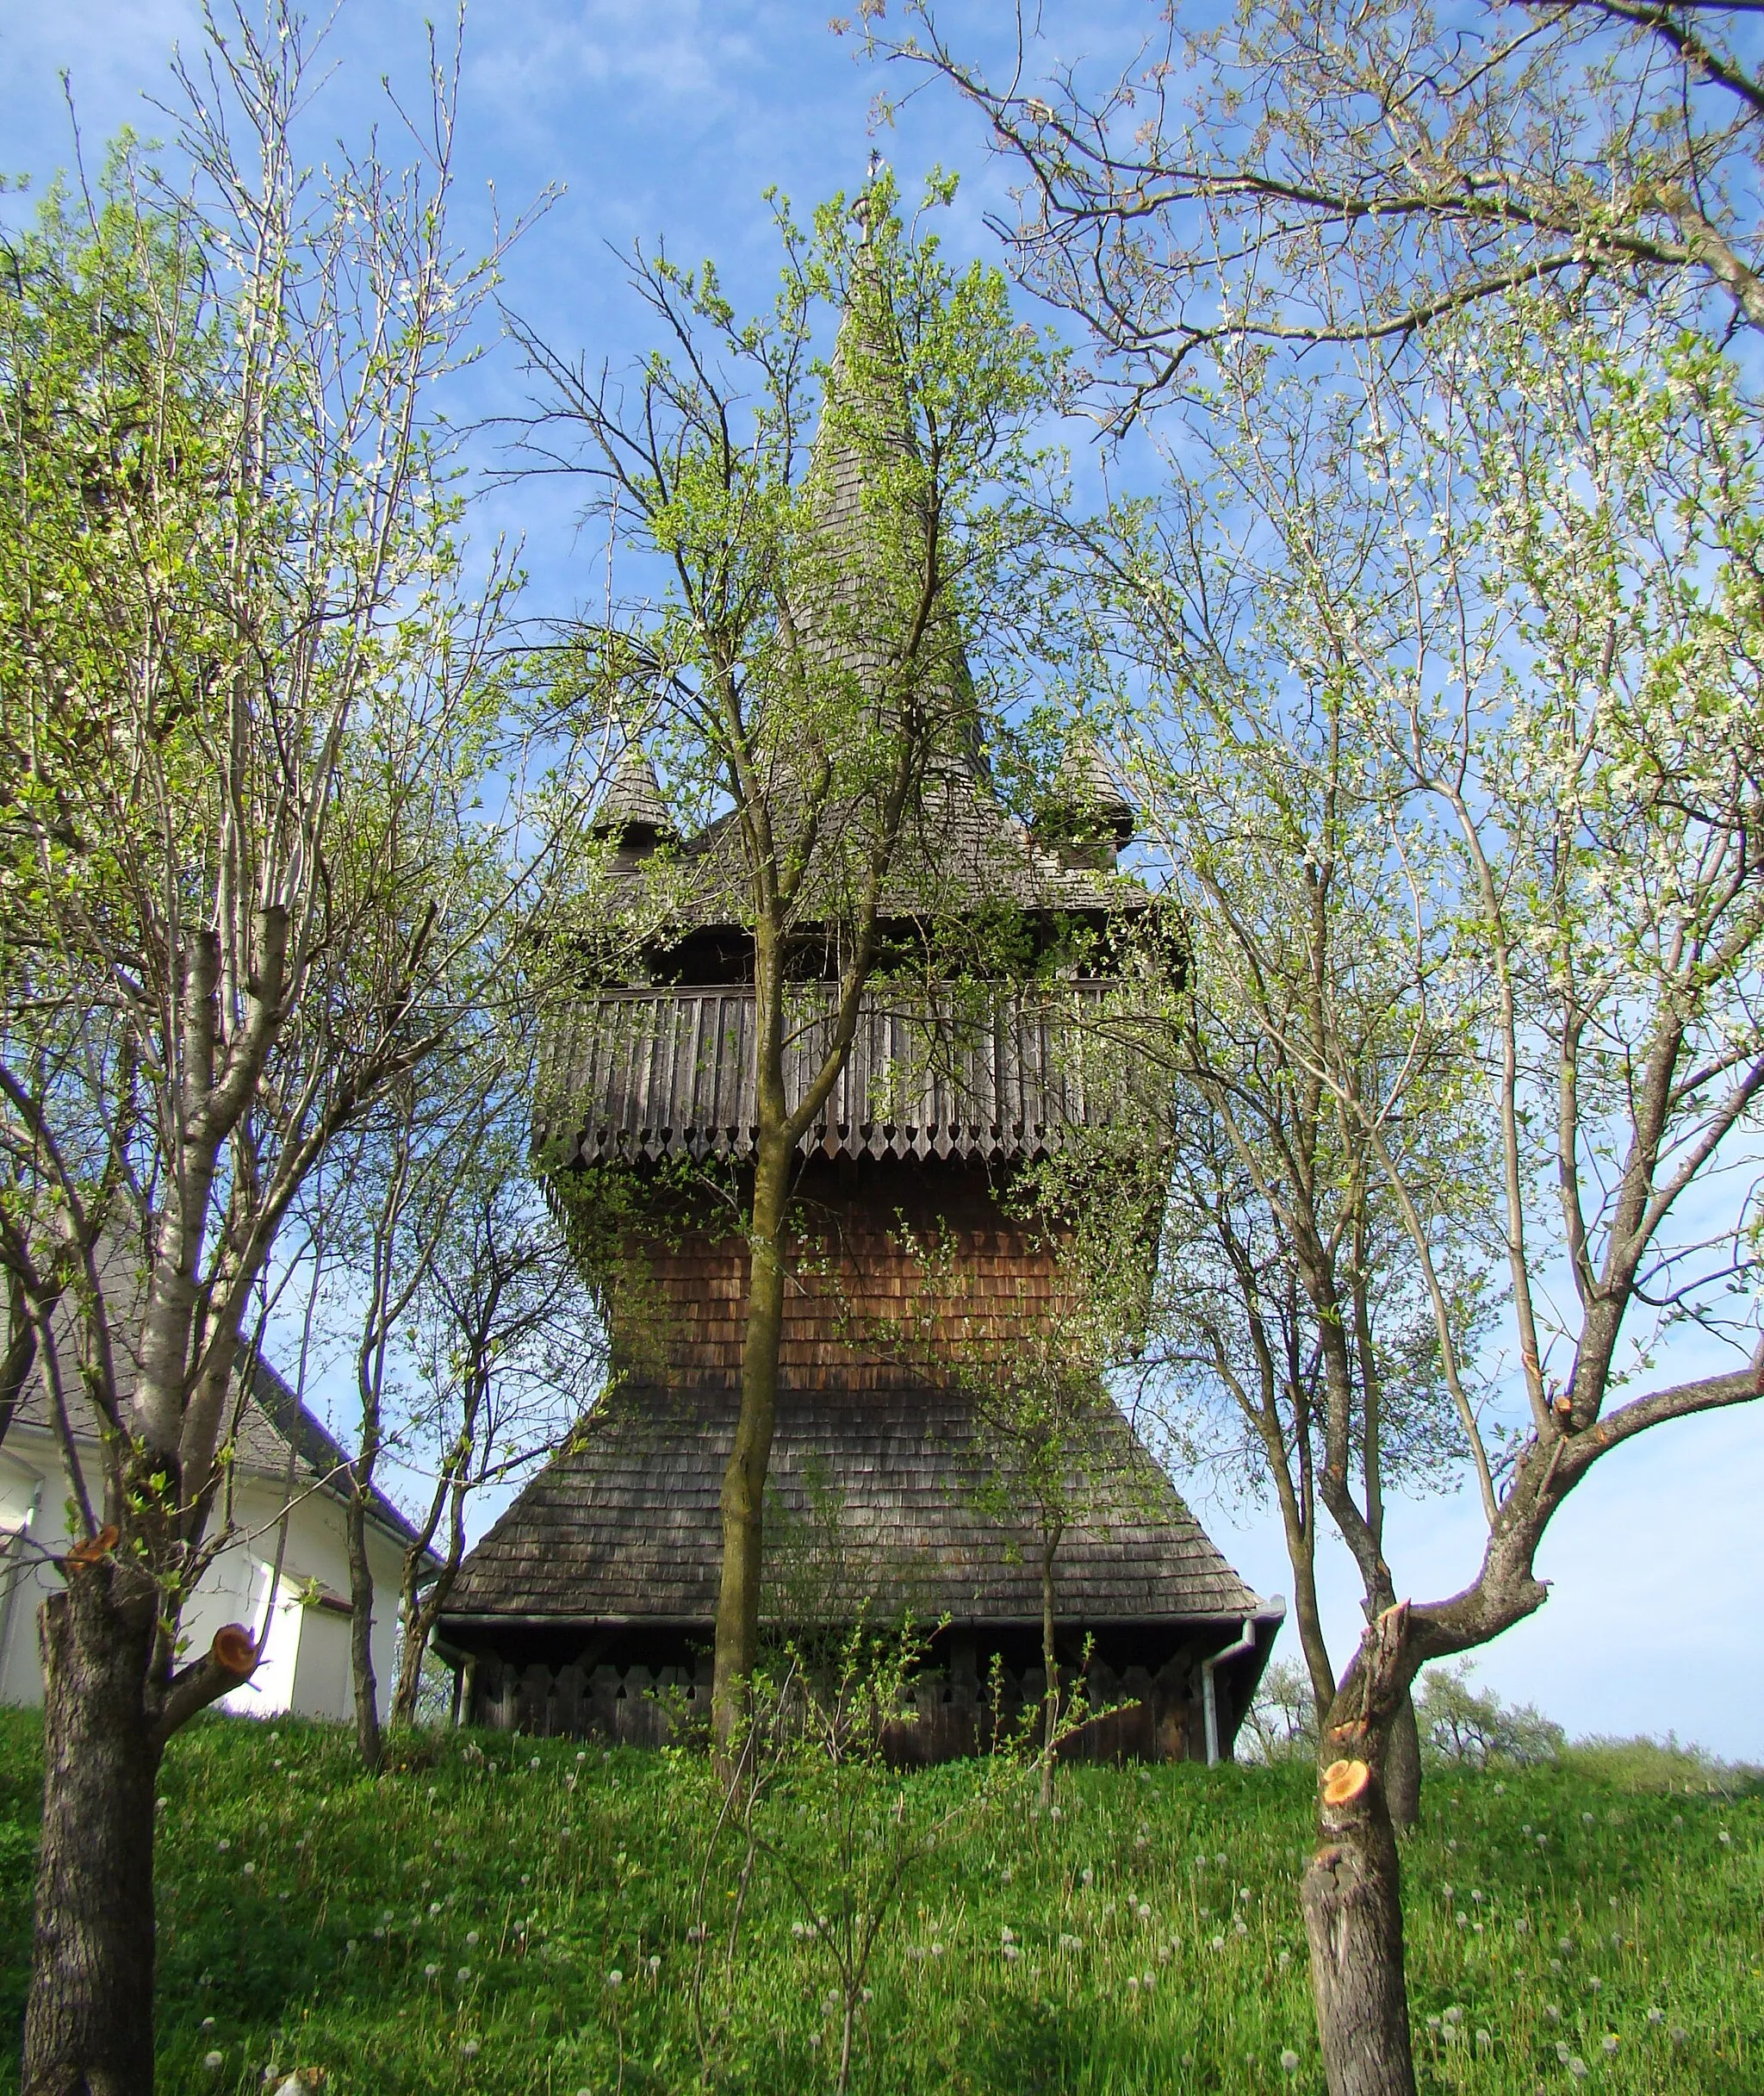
(1086, 800)
(633, 811)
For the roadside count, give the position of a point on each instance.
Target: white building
(305, 1668)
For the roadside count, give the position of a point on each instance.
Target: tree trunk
(1050, 1708)
(361, 1631)
(409, 1685)
(1351, 1891)
(89, 2021)
(417, 1622)
(743, 1496)
(420, 1616)
(1402, 1769)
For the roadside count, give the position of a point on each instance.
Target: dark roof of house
(274, 1418)
(623, 1526)
(671, 1072)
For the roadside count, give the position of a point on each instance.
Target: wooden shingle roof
(961, 850)
(623, 1525)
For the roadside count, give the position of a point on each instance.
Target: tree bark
(1050, 1701)
(1402, 1769)
(1353, 1890)
(743, 1495)
(88, 2022)
(1353, 1921)
(361, 1631)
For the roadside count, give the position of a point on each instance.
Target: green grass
(301, 1906)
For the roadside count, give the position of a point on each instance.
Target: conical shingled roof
(633, 807)
(1086, 796)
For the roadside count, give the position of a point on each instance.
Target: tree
(453, 1291)
(393, 1189)
(800, 667)
(1287, 1290)
(1299, 177)
(1283, 1719)
(1466, 1726)
(1038, 1411)
(1529, 579)
(239, 649)
(505, 1358)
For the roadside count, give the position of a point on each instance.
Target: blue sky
(671, 117)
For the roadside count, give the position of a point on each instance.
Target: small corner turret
(632, 814)
(1087, 821)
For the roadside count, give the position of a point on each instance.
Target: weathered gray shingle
(623, 1525)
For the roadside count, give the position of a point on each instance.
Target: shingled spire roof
(633, 811)
(1086, 804)
(866, 431)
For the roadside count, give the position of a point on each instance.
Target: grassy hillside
(507, 1915)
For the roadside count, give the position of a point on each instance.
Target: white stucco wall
(305, 1667)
